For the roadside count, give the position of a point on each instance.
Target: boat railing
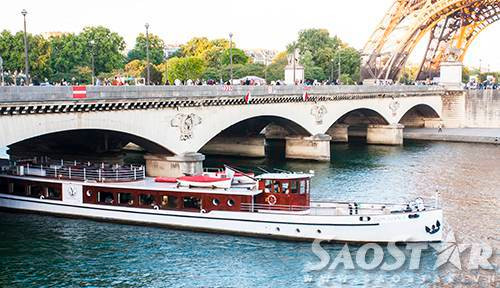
(337, 208)
(72, 170)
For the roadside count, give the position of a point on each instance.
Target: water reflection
(47, 251)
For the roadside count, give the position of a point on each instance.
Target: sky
(255, 24)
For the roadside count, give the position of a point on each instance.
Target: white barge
(274, 205)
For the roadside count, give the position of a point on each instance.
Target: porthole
(298, 230)
(230, 202)
(215, 201)
(319, 231)
(89, 193)
(278, 229)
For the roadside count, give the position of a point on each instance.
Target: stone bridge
(172, 123)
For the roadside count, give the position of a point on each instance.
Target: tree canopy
(156, 49)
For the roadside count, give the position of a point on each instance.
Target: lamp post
(26, 63)
(92, 43)
(1, 71)
(338, 79)
(333, 64)
(148, 75)
(231, 57)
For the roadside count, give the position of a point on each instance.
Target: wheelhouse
(284, 190)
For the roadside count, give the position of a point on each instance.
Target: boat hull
(352, 228)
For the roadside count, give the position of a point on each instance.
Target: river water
(44, 251)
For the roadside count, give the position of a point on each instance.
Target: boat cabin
(285, 191)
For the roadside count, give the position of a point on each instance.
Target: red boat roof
(166, 179)
(202, 179)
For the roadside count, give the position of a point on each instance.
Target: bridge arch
(417, 115)
(86, 143)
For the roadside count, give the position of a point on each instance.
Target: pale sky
(255, 24)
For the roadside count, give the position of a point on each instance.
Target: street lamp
(231, 56)
(333, 64)
(26, 64)
(338, 80)
(92, 43)
(148, 75)
(1, 70)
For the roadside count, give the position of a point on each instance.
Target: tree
(12, 51)
(239, 57)
(209, 50)
(319, 43)
(108, 48)
(276, 70)
(156, 49)
(184, 68)
(67, 53)
(134, 68)
(350, 62)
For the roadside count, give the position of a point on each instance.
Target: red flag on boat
(305, 96)
(79, 92)
(247, 97)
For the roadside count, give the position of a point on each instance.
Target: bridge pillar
(339, 133)
(174, 166)
(311, 148)
(236, 146)
(385, 134)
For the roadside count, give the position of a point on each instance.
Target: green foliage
(209, 50)
(317, 51)
(156, 75)
(185, 68)
(239, 56)
(134, 68)
(276, 70)
(108, 48)
(156, 49)
(12, 52)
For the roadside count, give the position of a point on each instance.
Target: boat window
(294, 187)
(230, 202)
(125, 199)
(146, 199)
(20, 189)
(276, 187)
(11, 188)
(105, 197)
(4, 186)
(192, 202)
(169, 201)
(215, 202)
(268, 185)
(53, 193)
(286, 187)
(302, 187)
(308, 187)
(36, 191)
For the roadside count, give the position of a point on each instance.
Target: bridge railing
(9, 94)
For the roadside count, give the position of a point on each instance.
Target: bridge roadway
(174, 123)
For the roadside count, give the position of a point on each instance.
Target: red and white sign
(247, 97)
(227, 88)
(79, 92)
(305, 96)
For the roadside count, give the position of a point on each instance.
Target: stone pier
(236, 146)
(174, 166)
(385, 134)
(339, 133)
(311, 148)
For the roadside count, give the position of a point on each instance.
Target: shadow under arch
(357, 122)
(417, 115)
(361, 116)
(84, 143)
(255, 125)
(253, 137)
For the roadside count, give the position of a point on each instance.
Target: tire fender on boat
(203, 211)
(156, 207)
(42, 197)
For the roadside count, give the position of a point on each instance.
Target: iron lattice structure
(453, 25)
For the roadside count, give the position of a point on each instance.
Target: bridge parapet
(134, 93)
